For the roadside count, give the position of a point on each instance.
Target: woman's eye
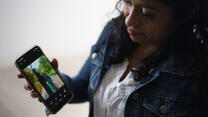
(128, 2)
(147, 13)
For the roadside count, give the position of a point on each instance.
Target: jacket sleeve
(79, 83)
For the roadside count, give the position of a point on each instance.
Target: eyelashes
(144, 11)
(128, 2)
(147, 13)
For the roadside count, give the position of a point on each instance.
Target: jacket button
(135, 96)
(151, 71)
(94, 55)
(163, 109)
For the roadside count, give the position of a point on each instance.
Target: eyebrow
(149, 7)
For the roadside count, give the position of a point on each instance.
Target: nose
(132, 18)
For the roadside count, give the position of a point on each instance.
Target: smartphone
(44, 79)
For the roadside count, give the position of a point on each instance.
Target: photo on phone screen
(44, 77)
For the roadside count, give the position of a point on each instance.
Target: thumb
(54, 63)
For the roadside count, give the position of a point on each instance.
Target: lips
(133, 33)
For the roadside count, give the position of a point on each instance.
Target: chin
(137, 40)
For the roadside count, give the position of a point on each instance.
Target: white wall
(60, 27)
(64, 29)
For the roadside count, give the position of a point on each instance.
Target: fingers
(34, 94)
(20, 76)
(54, 63)
(27, 87)
(39, 99)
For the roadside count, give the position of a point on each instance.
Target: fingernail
(28, 86)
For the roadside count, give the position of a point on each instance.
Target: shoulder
(106, 33)
(103, 38)
(99, 48)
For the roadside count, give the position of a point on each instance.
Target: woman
(148, 62)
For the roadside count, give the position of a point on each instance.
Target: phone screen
(44, 77)
(39, 72)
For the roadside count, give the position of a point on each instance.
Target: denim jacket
(167, 91)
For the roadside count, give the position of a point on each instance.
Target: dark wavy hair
(190, 33)
(191, 37)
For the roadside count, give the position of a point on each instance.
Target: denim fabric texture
(167, 91)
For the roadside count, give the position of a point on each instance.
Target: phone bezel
(20, 68)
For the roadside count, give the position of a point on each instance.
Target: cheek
(151, 30)
(158, 32)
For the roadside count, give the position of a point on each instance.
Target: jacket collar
(178, 64)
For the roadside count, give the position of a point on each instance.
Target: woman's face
(148, 21)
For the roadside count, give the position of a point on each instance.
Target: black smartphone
(44, 79)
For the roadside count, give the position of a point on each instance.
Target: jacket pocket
(164, 107)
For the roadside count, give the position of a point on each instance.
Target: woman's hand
(28, 87)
